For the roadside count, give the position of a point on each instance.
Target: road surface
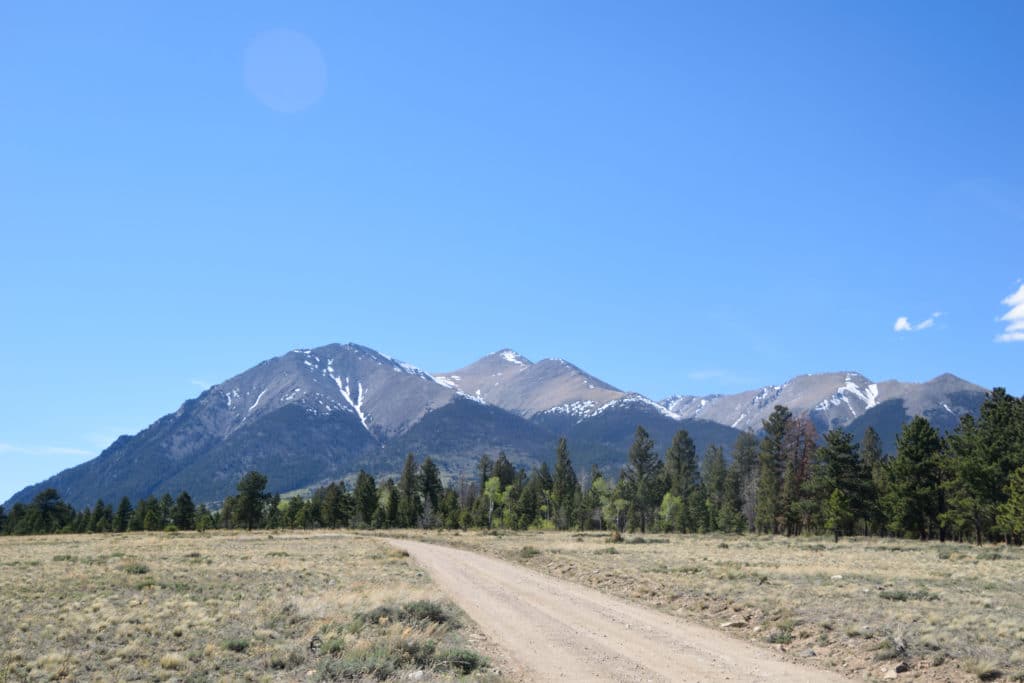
(560, 631)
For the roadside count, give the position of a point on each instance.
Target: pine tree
(564, 486)
(839, 514)
(876, 476)
(365, 500)
(641, 476)
(184, 512)
(504, 470)
(684, 481)
(123, 516)
(913, 501)
(714, 477)
(431, 486)
(409, 504)
(838, 468)
(204, 520)
(772, 461)
(746, 466)
(1010, 519)
(252, 499)
(484, 469)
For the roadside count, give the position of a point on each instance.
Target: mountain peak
(511, 356)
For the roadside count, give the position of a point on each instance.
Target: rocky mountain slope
(845, 400)
(315, 415)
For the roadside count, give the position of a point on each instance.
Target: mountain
(846, 400)
(317, 415)
(510, 381)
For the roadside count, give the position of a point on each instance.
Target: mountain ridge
(313, 415)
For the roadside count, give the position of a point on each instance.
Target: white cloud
(9, 449)
(902, 324)
(201, 383)
(1014, 318)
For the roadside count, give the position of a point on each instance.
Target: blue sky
(679, 198)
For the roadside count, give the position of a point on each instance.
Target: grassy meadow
(864, 606)
(224, 607)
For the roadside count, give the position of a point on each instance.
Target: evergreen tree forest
(965, 486)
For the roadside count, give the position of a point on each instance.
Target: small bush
(782, 635)
(236, 645)
(462, 660)
(984, 669)
(528, 551)
(616, 537)
(136, 568)
(171, 528)
(990, 555)
(173, 661)
(903, 596)
(426, 610)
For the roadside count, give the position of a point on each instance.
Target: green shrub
(462, 660)
(136, 568)
(236, 645)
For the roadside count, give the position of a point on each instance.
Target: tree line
(968, 485)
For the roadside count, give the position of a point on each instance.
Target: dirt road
(559, 631)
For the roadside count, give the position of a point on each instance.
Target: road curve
(560, 631)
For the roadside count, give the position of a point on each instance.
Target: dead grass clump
(173, 661)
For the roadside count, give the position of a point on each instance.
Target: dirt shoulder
(563, 631)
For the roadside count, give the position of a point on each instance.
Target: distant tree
(714, 476)
(152, 520)
(838, 468)
(46, 514)
(745, 468)
(204, 520)
(485, 470)
(409, 504)
(123, 516)
(981, 457)
(184, 516)
(839, 514)
(684, 481)
(796, 510)
(504, 470)
(913, 502)
(389, 505)
(431, 486)
(564, 487)
(3, 520)
(1011, 513)
(252, 500)
(449, 509)
(641, 477)
(365, 500)
(772, 462)
(102, 517)
(494, 497)
(875, 473)
(166, 510)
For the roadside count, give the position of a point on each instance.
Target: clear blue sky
(679, 198)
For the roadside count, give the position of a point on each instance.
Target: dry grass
(221, 606)
(950, 612)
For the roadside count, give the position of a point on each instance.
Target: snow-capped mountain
(834, 399)
(321, 414)
(513, 382)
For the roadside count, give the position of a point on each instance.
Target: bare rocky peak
(512, 382)
(386, 395)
